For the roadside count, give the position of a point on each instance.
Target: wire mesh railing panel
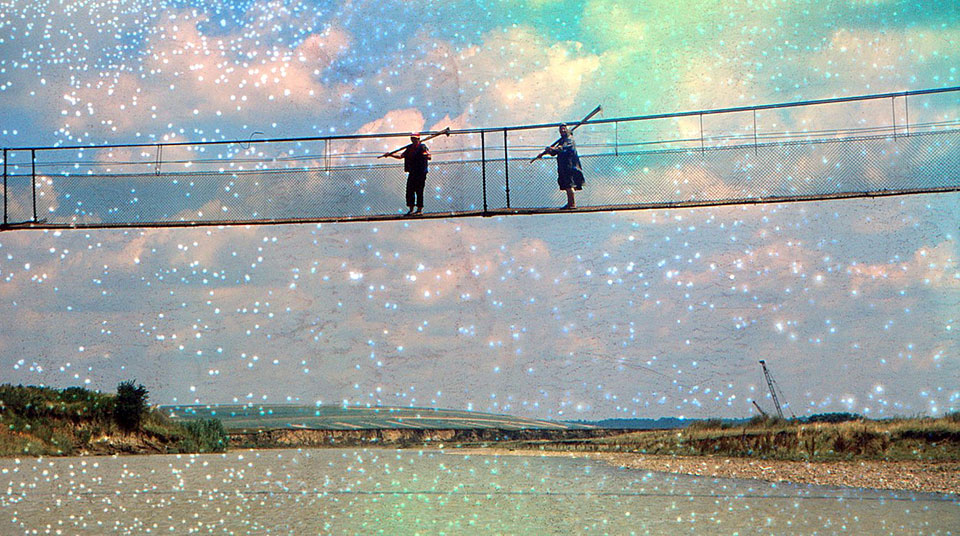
(359, 191)
(19, 206)
(497, 176)
(746, 172)
(18, 193)
(534, 185)
(799, 169)
(454, 187)
(865, 145)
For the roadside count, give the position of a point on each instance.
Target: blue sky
(853, 303)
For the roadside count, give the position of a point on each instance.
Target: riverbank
(42, 421)
(922, 439)
(408, 437)
(917, 476)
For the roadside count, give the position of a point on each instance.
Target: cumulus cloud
(535, 80)
(510, 76)
(629, 302)
(190, 75)
(634, 314)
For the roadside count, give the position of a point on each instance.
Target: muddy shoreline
(917, 476)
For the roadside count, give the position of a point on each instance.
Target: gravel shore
(928, 477)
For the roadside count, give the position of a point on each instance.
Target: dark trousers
(415, 184)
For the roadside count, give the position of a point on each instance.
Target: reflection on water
(407, 492)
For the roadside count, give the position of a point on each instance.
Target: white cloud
(223, 77)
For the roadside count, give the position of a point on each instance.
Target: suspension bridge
(903, 143)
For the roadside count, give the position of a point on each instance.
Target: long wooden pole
(595, 111)
(430, 137)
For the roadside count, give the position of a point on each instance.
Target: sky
(853, 304)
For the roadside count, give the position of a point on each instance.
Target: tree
(131, 405)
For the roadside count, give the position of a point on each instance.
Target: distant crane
(773, 389)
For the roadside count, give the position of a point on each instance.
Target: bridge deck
(44, 225)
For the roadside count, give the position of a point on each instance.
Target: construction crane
(772, 386)
(764, 413)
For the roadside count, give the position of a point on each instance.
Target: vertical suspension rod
(906, 108)
(893, 113)
(701, 134)
(616, 138)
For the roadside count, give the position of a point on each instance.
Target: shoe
(418, 211)
(568, 207)
(409, 212)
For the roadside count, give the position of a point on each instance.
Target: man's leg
(410, 193)
(571, 202)
(421, 183)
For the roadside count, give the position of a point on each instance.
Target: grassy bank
(925, 439)
(62, 422)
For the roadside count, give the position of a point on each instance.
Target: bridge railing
(905, 141)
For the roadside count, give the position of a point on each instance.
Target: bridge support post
(506, 167)
(483, 168)
(33, 181)
(4, 186)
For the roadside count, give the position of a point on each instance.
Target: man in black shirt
(415, 159)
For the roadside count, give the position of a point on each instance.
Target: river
(364, 491)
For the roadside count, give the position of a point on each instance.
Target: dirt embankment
(75, 440)
(136, 443)
(403, 437)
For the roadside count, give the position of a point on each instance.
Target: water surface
(361, 491)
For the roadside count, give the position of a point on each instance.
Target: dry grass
(929, 439)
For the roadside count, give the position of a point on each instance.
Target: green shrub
(204, 435)
(765, 421)
(28, 401)
(833, 417)
(46, 421)
(131, 405)
(706, 424)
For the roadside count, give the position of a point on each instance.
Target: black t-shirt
(415, 159)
